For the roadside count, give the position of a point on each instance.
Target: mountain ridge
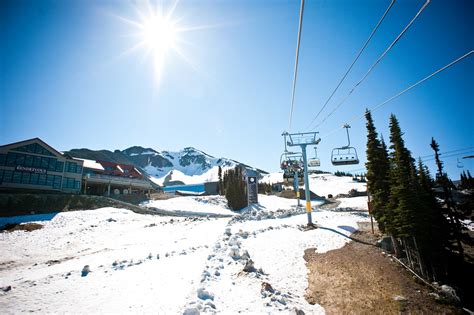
(187, 166)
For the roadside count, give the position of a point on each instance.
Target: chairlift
(345, 155)
(460, 164)
(314, 163)
(291, 163)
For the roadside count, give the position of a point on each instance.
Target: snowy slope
(325, 184)
(144, 263)
(322, 184)
(189, 166)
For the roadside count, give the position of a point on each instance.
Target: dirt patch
(21, 227)
(359, 279)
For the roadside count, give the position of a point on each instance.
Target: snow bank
(325, 184)
(116, 261)
(205, 205)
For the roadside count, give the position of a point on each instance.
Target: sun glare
(159, 34)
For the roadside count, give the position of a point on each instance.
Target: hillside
(188, 166)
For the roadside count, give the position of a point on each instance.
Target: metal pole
(306, 185)
(296, 186)
(347, 132)
(284, 134)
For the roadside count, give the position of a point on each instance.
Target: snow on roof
(120, 169)
(91, 164)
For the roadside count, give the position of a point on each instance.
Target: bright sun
(159, 34)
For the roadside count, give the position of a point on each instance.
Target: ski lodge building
(107, 178)
(32, 165)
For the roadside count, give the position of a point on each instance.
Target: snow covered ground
(145, 263)
(325, 184)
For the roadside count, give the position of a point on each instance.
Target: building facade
(109, 178)
(34, 165)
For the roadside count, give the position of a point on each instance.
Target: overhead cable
(375, 63)
(408, 89)
(447, 152)
(296, 64)
(353, 63)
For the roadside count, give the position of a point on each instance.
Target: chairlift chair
(460, 164)
(314, 162)
(291, 162)
(345, 155)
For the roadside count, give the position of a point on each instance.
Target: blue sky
(65, 78)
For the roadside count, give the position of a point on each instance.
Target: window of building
(1, 176)
(37, 161)
(34, 179)
(79, 169)
(34, 148)
(71, 167)
(77, 184)
(44, 162)
(20, 159)
(57, 182)
(7, 176)
(11, 157)
(29, 160)
(16, 177)
(25, 179)
(3, 159)
(59, 166)
(42, 179)
(52, 165)
(49, 180)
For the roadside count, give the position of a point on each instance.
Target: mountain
(188, 166)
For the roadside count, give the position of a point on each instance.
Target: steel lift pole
(303, 139)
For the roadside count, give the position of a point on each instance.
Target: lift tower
(303, 139)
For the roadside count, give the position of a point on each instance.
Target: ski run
(116, 261)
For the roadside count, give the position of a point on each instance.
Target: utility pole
(303, 139)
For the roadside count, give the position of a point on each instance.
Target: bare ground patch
(358, 279)
(21, 227)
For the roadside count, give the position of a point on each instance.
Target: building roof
(15, 144)
(91, 164)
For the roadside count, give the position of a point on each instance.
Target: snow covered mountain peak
(188, 166)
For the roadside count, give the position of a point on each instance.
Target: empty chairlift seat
(344, 156)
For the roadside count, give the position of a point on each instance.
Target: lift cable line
(296, 64)
(447, 152)
(407, 89)
(375, 63)
(353, 62)
(448, 156)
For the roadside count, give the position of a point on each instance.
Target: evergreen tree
(377, 172)
(434, 237)
(443, 180)
(221, 183)
(235, 189)
(403, 199)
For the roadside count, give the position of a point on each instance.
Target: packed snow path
(113, 260)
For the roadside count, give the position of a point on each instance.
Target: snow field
(44, 266)
(144, 263)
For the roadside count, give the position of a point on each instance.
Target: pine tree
(443, 180)
(377, 172)
(235, 190)
(434, 237)
(402, 200)
(221, 183)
